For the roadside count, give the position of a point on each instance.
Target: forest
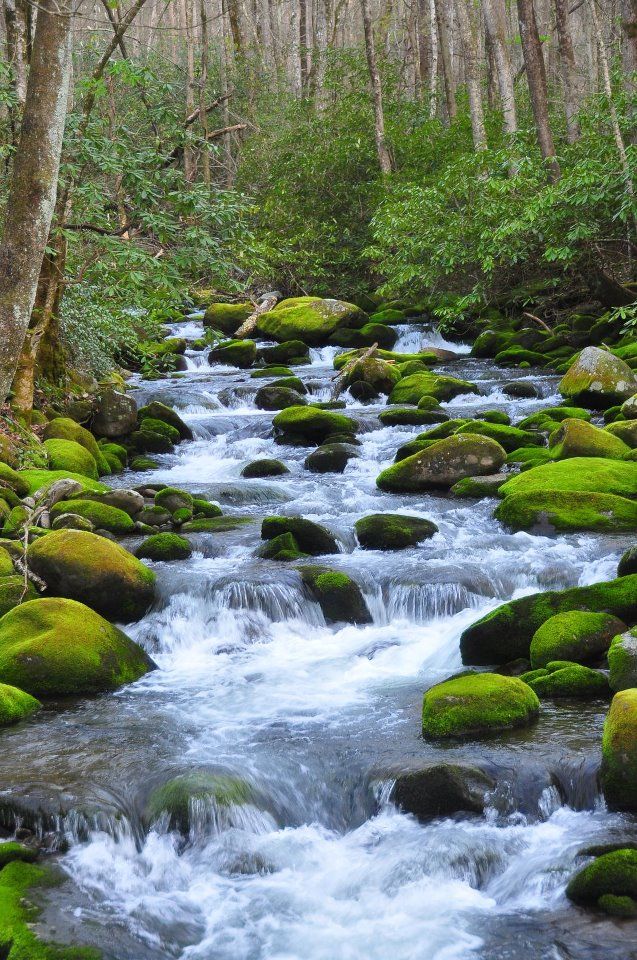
(318, 479)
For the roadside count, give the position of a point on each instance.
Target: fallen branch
(339, 385)
(532, 316)
(175, 155)
(267, 302)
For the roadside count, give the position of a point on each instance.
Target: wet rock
(290, 352)
(580, 474)
(622, 660)
(308, 425)
(312, 538)
(172, 499)
(310, 319)
(487, 486)
(363, 392)
(154, 516)
(443, 464)
(628, 563)
(159, 411)
(330, 458)
(267, 373)
(524, 389)
(100, 515)
(577, 438)
(476, 703)
(598, 379)
(130, 501)
(619, 752)
(442, 789)
(277, 398)
(115, 414)
(143, 463)
(264, 468)
(203, 508)
(282, 548)
(509, 438)
(411, 416)
(338, 596)
(188, 796)
(392, 531)
(609, 883)
(215, 524)
(563, 679)
(11, 852)
(165, 547)
(227, 317)
(379, 374)
(566, 511)
(412, 389)
(575, 635)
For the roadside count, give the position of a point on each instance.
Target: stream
(319, 720)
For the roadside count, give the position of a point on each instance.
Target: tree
(444, 37)
(34, 182)
(536, 78)
(495, 25)
(568, 68)
(384, 156)
(469, 33)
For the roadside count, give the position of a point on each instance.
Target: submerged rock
(278, 398)
(442, 789)
(392, 531)
(339, 597)
(15, 705)
(476, 703)
(179, 799)
(412, 389)
(444, 463)
(330, 458)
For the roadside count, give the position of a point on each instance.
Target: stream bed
(319, 719)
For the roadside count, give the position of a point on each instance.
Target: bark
(34, 183)
(424, 57)
(16, 26)
(495, 25)
(568, 69)
(629, 44)
(444, 38)
(469, 34)
(234, 19)
(384, 157)
(203, 80)
(190, 159)
(536, 77)
(268, 302)
(433, 77)
(303, 46)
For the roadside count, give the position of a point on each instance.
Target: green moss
(284, 547)
(624, 907)
(215, 524)
(15, 705)
(496, 416)
(613, 873)
(505, 634)
(234, 353)
(203, 508)
(477, 703)
(63, 428)
(11, 851)
(71, 456)
(509, 438)
(392, 531)
(569, 680)
(159, 411)
(290, 351)
(625, 431)
(412, 389)
(489, 343)
(166, 430)
(227, 317)
(307, 425)
(271, 372)
(388, 315)
(102, 516)
(266, 467)
(330, 458)
(425, 357)
(312, 538)
(428, 403)
(534, 456)
(14, 479)
(277, 398)
(164, 546)
(444, 463)
(16, 520)
(622, 660)
(143, 463)
(565, 511)
(410, 416)
(53, 647)
(6, 563)
(171, 499)
(338, 596)
(376, 372)
(366, 336)
(582, 474)
(309, 319)
(12, 593)
(598, 379)
(95, 571)
(516, 356)
(177, 798)
(575, 635)
(479, 486)
(577, 438)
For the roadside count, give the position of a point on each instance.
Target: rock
(115, 414)
(283, 548)
(227, 317)
(363, 392)
(264, 468)
(379, 374)
(215, 524)
(164, 546)
(90, 569)
(234, 353)
(100, 515)
(574, 635)
(67, 455)
(577, 438)
(622, 660)
(309, 319)
(15, 705)
(277, 398)
(444, 463)
(392, 531)
(565, 511)
(489, 343)
(6, 563)
(528, 457)
(608, 883)
(53, 647)
(628, 563)
(524, 389)
(399, 359)
(412, 389)
(307, 425)
(338, 596)
(624, 430)
(580, 474)
(598, 379)
(14, 479)
(477, 703)
(62, 428)
(12, 592)
(154, 516)
(486, 486)
(442, 789)
(290, 351)
(312, 538)
(269, 372)
(562, 679)
(72, 521)
(409, 416)
(147, 440)
(159, 411)
(619, 752)
(159, 428)
(629, 408)
(496, 416)
(519, 357)
(505, 634)
(12, 852)
(330, 458)
(554, 415)
(143, 463)
(179, 798)
(172, 499)
(130, 501)
(365, 336)
(509, 438)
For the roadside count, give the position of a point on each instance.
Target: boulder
(577, 438)
(234, 353)
(629, 408)
(115, 414)
(443, 789)
(172, 499)
(505, 634)
(560, 679)
(598, 379)
(55, 647)
(312, 538)
(565, 511)
(282, 548)
(486, 486)
(509, 438)
(290, 351)
(99, 515)
(309, 425)
(130, 501)
(309, 319)
(12, 592)
(625, 430)
(227, 317)
(14, 479)
(164, 546)
(628, 563)
(67, 455)
(400, 359)
(473, 704)
(186, 796)
(278, 398)
(444, 463)
(524, 389)
(267, 467)
(266, 373)
(622, 660)
(330, 458)
(159, 411)
(90, 569)
(575, 635)
(15, 705)
(379, 374)
(392, 531)
(365, 336)
(215, 524)
(71, 521)
(581, 474)
(410, 416)
(338, 596)
(412, 389)
(609, 883)
(619, 752)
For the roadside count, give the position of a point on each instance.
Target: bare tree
(469, 34)
(496, 27)
(384, 157)
(536, 78)
(444, 37)
(568, 67)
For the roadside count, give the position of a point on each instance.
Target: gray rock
(115, 414)
(442, 789)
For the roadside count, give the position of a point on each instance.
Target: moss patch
(585, 474)
(412, 389)
(444, 463)
(307, 425)
(619, 753)
(164, 546)
(567, 511)
(102, 516)
(574, 635)
(392, 531)
(477, 703)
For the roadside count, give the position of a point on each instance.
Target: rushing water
(319, 720)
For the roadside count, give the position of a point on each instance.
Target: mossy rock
(427, 357)
(164, 546)
(330, 458)
(172, 499)
(92, 570)
(160, 411)
(518, 356)
(489, 343)
(597, 379)
(12, 592)
(307, 425)
(160, 427)
(63, 428)
(151, 441)
(563, 680)
(577, 438)
(578, 474)
(477, 703)
(289, 351)
(496, 416)
(312, 538)
(267, 372)
(619, 753)
(428, 403)
(15, 522)
(278, 398)
(67, 455)
(444, 463)
(568, 510)
(178, 799)
(509, 438)
(522, 389)
(14, 479)
(628, 563)
(6, 563)
(377, 373)
(575, 635)
(388, 315)
(339, 597)
(12, 851)
(487, 486)
(443, 789)
(366, 336)
(227, 317)
(530, 456)
(392, 531)
(608, 883)
(267, 467)
(15, 705)
(284, 547)
(410, 416)
(141, 464)
(100, 515)
(234, 353)
(56, 647)
(629, 408)
(625, 431)
(72, 521)
(622, 660)
(412, 389)
(505, 633)
(215, 524)
(310, 319)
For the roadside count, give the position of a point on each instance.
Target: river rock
(191, 795)
(266, 467)
(598, 379)
(442, 789)
(628, 563)
(308, 425)
(330, 458)
(622, 660)
(310, 319)
(290, 352)
(339, 597)
(575, 635)
(227, 317)
(486, 486)
(629, 408)
(392, 531)
(90, 569)
(509, 438)
(63, 428)
(159, 411)
(15, 705)
(164, 546)
(609, 883)
(580, 474)
(412, 389)
(577, 438)
(115, 414)
(100, 515)
(524, 389)
(477, 703)
(130, 501)
(12, 592)
(444, 463)
(278, 398)
(561, 679)
(566, 511)
(70, 456)
(312, 538)
(363, 392)
(379, 374)
(624, 430)
(619, 752)
(174, 500)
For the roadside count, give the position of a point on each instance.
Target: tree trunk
(629, 46)
(469, 34)
(536, 78)
(16, 25)
(190, 159)
(303, 46)
(35, 179)
(445, 56)
(384, 157)
(203, 81)
(568, 68)
(433, 76)
(495, 25)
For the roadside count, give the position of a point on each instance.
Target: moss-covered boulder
(164, 546)
(580, 474)
(574, 635)
(82, 566)
(442, 789)
(490, 342)
(426, 357)
(115, 414)
(477, 703)
(308, 425)
(529, 457)
(100, 515)
(57, 647)
(392, 531)
(365, 336)
(14, 480)
(598, 379)
(180, 800)
(622, 660)
(509, 438)
(173, 499)
(312, 538)
(234, 353)
(215, 524)
(412, 389)
(63, 428)
(282, 548)
(577, 438)
(309, 319)
(160, 411)
(486, 486)
(561, 679)
(566, 511)
(290, 352)
(278, 398)
(520, 389)
(266, 467)
(330, 458)
(444, 463)
(227, 317)
(142, 464)
(15, 705)
(67, 455)
(625, 430)
(379, 374)
(411, 416)
(609, 884)
(339, 597)
(12, 852)
(619, 752)
(6, 563)
(505, 634)
(12, 592)
(629, 408)
(627, 563)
